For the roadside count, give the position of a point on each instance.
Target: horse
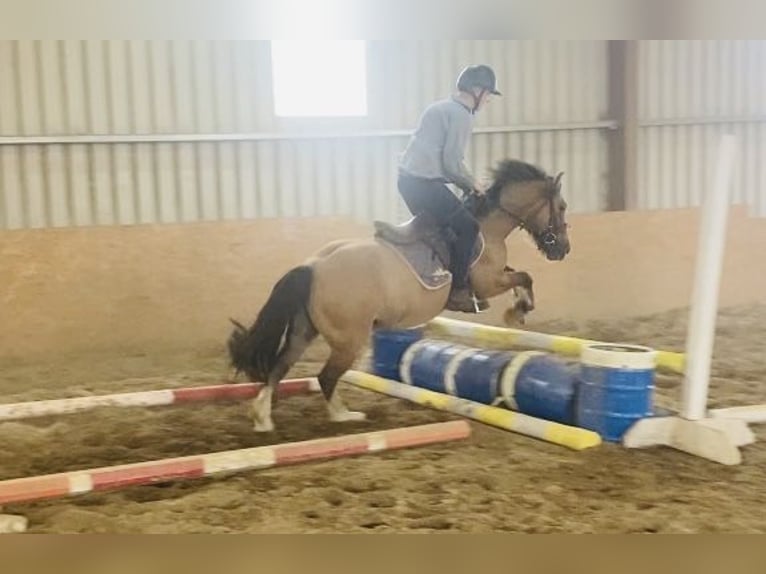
(351, 287)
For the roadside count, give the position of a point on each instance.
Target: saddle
(425, 248)
(419, 229)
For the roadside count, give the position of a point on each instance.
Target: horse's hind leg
(300, 335)
(341, 360)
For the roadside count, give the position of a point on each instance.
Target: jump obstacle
(549, 399)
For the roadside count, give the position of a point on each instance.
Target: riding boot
(463, 300)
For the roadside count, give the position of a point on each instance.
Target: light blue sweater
(437, 148)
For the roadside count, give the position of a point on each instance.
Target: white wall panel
(692, 92)
(158, 92)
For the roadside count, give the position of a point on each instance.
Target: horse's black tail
(256, 351)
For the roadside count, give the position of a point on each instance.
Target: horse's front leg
(511, 280)
(519, 283)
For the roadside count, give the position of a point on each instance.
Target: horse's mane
(507, 171)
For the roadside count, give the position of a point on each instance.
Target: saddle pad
(423, 262)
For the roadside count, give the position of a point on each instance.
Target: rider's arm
(458, 133)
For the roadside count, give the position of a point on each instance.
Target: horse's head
(532, 200)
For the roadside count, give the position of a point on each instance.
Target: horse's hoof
(267, 426)
(514, 316)
(348, 416)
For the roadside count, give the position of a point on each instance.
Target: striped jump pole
(189, 467)
(669, 361)
(556, 433)
(162, 397)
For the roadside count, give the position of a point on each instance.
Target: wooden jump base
(163, 397)
(571, 437)
(189, 467)
(569, 346)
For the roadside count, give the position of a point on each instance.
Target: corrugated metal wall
(124, 132)
(691, 93)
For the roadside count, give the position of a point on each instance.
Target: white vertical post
(704, 304)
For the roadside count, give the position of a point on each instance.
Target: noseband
(549, 235)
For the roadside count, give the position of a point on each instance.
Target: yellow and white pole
(506, 337)
(556, 433)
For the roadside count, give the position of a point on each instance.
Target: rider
(434, 157)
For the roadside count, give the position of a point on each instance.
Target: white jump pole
(704, 304)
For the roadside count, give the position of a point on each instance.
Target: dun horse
(351, 287)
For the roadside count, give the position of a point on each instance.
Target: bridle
(549, 235)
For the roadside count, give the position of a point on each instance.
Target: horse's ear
(240, 327)
(557, 181)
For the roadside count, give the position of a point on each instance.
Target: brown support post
(623, 108)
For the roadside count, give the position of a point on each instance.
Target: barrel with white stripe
(388, 347)
(454, 369)
(540, 385)
(616, 384)
(426, 362)
(477, 376)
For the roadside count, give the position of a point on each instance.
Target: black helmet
(480, 76)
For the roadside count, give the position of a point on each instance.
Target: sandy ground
(494, 481)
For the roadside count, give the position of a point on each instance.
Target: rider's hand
(480, 187)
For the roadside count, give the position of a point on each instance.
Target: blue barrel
(476, 376)
(388, 346)
(425, 363)
(454, 369)
(616, 386)
(540, 385)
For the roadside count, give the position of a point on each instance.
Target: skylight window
(319, 78)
